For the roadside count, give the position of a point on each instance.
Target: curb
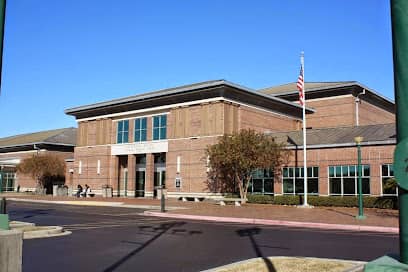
(93, 203)
(276, 222)
(358, 265)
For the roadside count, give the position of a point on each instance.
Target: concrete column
(149, 174)
(11, 250)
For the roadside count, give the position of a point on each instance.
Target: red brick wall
(262, 121)
(369, 115)
(333, 112)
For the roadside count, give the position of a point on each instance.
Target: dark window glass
(287, 186)
(384, 170)
(313, 185)
(335, 186)
(366, 171)
(299, 186)
(345, 171)
(257, 185)
(268, 186)
(349, 186)
(353, 171)
(366, 186)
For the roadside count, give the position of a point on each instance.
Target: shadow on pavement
(159, 231)
(250, 232)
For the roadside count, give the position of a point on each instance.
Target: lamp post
(360, 215)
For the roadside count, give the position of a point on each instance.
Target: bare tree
(42, 168)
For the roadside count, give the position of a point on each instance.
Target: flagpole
(302, 62)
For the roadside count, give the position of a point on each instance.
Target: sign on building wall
(140, 148)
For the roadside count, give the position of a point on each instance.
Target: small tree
(42, 168)
(235, 157)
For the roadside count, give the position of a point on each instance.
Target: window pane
(366, 171)
(126, 125)
(345, 171)
(353, 171)
(257, 185)
(285, 172)
(331, 171)
(302, 170)
(163, 133)
(297, 174)
(137, 136)
(119, 138)
(120, 125)
(384, 170)
(338, 171)
(155, 121)
(299, 186)
(155, 134)
(125, 137)
(143, 136)
(349, 186)
(287, 186)
(391, 170)
(144, 123)
(268, 186)
(310, 171)
(137, 123)
(335, 186)
(315, 171)
(312, 185)
(366, 185)
(163, 121)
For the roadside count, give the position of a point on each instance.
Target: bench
(221, 201)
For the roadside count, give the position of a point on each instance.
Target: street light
(360, 215)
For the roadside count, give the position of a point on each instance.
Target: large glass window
(261, 182)
(159, 127)
(343, 179)
(7, 181)
(293, 182)
(140, 129)
(387, 175)
(123, 132)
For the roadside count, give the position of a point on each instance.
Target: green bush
(384, 202)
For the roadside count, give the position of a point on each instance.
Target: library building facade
(137, 144)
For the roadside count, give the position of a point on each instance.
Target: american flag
(300, 86)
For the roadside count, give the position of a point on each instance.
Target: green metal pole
(399, 18)
(360, 184)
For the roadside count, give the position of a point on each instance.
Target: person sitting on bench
(86, 191)
(79, 190)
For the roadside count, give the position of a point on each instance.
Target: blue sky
(66, 53)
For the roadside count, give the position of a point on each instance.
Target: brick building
(137, 143)
(13, 149)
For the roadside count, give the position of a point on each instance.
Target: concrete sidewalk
(379, 220)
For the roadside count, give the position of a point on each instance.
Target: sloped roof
(341, 136)
(188, 93)
(63, 136)
(291, 87)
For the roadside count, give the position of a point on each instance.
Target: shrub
(384, 202)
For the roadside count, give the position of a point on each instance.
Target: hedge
(383, 202)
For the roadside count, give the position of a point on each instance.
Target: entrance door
(159, 178)
(140, 182)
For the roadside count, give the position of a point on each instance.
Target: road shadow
(30, 213)
(158, 231)
(250, 233)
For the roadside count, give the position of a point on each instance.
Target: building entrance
(159, 172)
(140, 178)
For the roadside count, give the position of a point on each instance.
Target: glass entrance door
(140, 182)
(159, 178)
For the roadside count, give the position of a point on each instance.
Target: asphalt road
(120, 239)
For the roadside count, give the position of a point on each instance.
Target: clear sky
(66, 53)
